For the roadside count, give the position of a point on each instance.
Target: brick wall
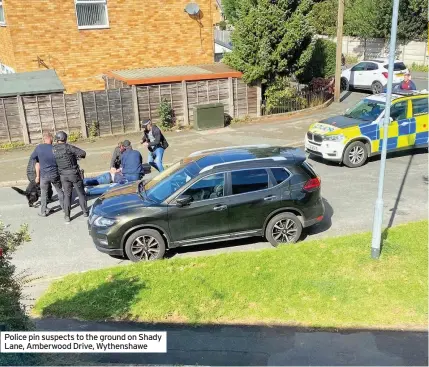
(6, 50)
(141, 34)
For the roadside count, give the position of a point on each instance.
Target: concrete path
(224, 345)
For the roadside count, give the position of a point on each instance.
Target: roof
(170, 74)
(210, 159)
(33, 82)
(397, 94)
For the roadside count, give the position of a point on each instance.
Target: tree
(324, 17)
(271, 38)
(230, 10)
(12, 312)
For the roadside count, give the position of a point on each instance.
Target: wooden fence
(120, 110)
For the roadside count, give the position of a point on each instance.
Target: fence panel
(10, 124)
(50, 113)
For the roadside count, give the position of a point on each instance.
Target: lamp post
(378, 215)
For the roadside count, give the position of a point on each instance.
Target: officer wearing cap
(66, 156)
(156, 143)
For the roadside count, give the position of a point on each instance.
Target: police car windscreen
(367, 110)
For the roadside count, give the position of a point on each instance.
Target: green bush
(321, 62)
(11, 145)
(419, 67)
(166, 115)
(74, 136)
(12, 312)
(281, 94)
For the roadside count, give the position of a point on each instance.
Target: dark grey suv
(210, 196)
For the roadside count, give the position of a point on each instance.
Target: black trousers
(46, 192)
(69, 181)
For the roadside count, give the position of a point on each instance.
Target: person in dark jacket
(131, 162)
(33, 172)
(47, 173)
(156, 143)
(116, 156)
(66, 156)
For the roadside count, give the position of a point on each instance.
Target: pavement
(57, 249)
(238, 345)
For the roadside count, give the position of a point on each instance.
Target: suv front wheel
(145, 245)
(283, 228)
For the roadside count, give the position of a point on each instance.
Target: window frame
(2, 23)
(370, 63)
(412, 107)
(202, 178)
(407, 111)
(273, 177)
(86, 27)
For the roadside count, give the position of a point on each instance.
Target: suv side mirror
(183, 200)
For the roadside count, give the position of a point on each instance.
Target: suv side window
(210, 187)
(399, 111)
(280, 175)
(371, 66)
(420, 106)
(251, 180)
(359, 67)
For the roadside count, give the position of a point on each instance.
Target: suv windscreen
(169, 181)
(367, 110)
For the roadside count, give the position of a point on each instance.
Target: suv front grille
(315, 138)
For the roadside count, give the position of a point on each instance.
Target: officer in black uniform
(66, 156)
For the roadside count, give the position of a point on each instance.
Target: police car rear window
(420, 106)
(397, 66)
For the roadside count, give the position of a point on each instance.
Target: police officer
(66, 156)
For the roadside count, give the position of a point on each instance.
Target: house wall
(140, 34)
(6, 48)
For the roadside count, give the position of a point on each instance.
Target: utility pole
(378, 215)
(340, 22)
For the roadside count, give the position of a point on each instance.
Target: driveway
(57, 249)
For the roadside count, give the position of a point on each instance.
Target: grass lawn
(325, 283)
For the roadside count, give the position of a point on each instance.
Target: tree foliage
(324, 17)
(271, 38)
(230, 10)
(12, 312)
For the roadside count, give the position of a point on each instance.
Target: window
(399, 111)
(397, 66)
(366, 110)
(210, 187)
(2, 20)
(280, 174)
(420, 106)
(359, 67)
(91, 14)
(249, 181)
(371, 66)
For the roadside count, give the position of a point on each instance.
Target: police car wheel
(355, 155)
(376, 88)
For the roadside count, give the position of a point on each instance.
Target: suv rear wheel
(376, 88)
(283, 228)
(145, 245)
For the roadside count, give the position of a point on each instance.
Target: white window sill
(93, 27)
(2, 24)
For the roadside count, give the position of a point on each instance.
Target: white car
(371, 75)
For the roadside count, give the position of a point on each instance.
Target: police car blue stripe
(403, 127)
(391, 143)
(422, 138)
(370, 130)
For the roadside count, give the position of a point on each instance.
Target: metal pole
(337, 89)
(378, 216)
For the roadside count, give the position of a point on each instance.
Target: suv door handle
(219, 208)
(269, 198)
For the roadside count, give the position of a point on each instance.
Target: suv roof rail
(402, 92)
(277, 158)
(199, 152)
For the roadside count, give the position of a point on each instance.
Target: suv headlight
(104, 222)
(339, 137)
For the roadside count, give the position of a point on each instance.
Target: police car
(358, 134)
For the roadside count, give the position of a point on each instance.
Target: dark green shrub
(166, 115)
(321, 63)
